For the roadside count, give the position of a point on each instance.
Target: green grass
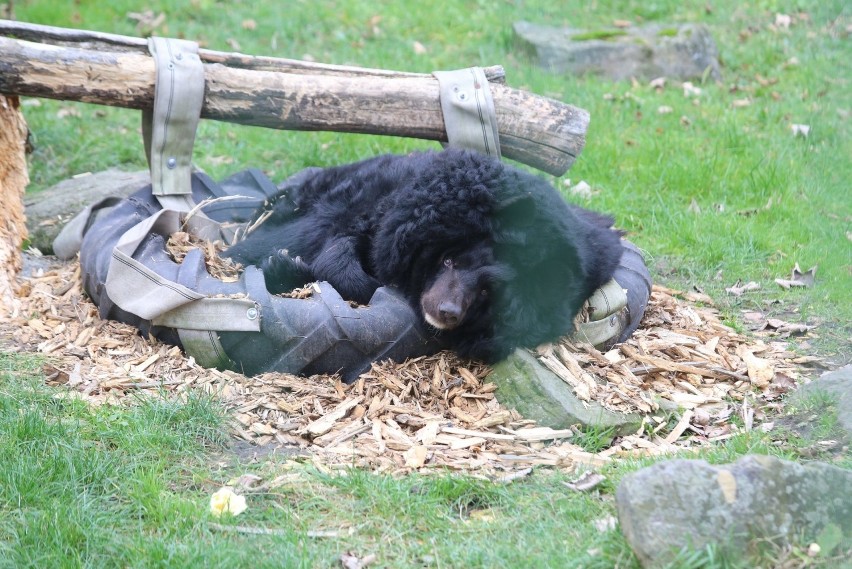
(112, 487)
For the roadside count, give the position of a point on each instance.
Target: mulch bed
(685, 371)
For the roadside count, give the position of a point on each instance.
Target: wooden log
(282, 94)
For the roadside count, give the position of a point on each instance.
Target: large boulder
(48, 211)
(838, 385)
(678, 52)
(686, 505)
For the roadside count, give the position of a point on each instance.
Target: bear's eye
(484, 293)
(448, 262)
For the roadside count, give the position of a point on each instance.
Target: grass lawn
(716, 190)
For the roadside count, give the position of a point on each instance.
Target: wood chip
(438, 405)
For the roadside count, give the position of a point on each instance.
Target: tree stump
(13, 182)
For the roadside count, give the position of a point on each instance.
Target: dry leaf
(690, 90)
(415, 457)
(419, 48)
(245, 481)
(799, 278)
(739, 288)
(350, 560)
(588, 481)
(249, 24)
(760, 371)
(664, 110)
(606, 524)
(800, 130)
(783, 21)
(786, 328)
(582, 190)
(659, 83)
(67, 112)
(693, 207)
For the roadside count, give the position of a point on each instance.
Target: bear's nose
(450, 313)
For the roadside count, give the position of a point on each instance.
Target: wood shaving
(436, 412)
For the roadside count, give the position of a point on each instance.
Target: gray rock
(838, 384)
(678, 52)
(537, 393)
(685, 505)
(48, 211)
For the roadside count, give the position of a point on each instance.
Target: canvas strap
(168, 131)
(169, 128)
(607, 313)
(468, 108)
(141, 291)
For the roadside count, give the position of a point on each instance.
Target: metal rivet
(612, 320)
(251, 313)
(171, 162)
(171, 65)
(462, 96)
(179, 56)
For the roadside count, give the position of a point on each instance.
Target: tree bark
(115, 70)
(13, 182)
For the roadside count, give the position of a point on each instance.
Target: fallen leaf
(147, 22)
(605, 524)
(693, 207)
(783, 21)
(622, 23)
(690, 90)
(245, 481)
(799, 278)
(786, 328)
(800, 130)
(419, 48)
(350, 560)
(415, 457)
(587, 481)
(740, 103)
(752, 316)
(760, 371)
(512, 476)
(249, 24)
(582, 190)
(67, 112)
(739, 288)
(664, 110)
(659, 83)
(783, 383)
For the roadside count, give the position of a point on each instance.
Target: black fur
(492, 254)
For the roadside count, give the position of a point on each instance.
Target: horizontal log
(100, 41)
(281, 94)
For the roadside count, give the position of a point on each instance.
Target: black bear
(489, 255)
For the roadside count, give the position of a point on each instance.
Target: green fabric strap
(169, 128)
(607, 308)
(468, 108)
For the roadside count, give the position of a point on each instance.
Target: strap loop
(468, 108)
(169, 129)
